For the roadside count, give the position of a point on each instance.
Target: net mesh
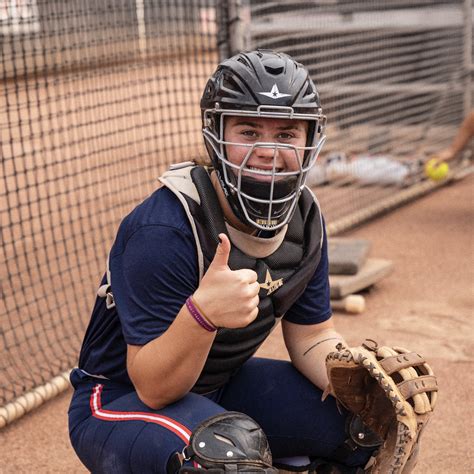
(393, 82)
(100, 96)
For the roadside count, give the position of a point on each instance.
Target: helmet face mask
(262, 197)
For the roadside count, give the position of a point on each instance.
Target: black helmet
(263, 84)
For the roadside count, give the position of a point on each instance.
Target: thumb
(222, 252)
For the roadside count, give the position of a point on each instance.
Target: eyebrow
(247, 123)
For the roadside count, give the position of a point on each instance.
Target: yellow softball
(436, 170)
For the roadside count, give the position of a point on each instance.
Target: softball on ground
(436, 170)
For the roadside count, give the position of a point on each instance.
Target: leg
(289, 409)
(111, 430)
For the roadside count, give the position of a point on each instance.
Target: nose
(266, 153)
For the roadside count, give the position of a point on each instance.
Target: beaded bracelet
(201, 320)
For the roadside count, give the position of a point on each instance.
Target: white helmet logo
(274, 93)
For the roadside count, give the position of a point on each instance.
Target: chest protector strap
(209, 203)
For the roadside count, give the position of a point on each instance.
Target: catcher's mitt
(393, 391)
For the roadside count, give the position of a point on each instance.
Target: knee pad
(359, 439)
(229, 442)
(360, 436)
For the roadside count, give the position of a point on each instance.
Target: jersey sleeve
(151, 279)
(314, 305)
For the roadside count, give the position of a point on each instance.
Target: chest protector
(283, 275)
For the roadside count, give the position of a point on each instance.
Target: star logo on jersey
(274, 93)
(271, 285)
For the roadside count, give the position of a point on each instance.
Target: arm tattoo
(320, 342)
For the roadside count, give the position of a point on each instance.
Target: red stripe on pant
(98, 412)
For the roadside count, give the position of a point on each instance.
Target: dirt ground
(426, 304)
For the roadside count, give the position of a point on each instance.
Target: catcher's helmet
(263, 84)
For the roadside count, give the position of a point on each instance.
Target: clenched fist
(228, 298)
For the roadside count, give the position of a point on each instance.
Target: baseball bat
(350, 304)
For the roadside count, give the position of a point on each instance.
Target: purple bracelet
(198, 316)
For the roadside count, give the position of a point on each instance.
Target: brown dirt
(425, 304)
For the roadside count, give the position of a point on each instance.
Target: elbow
(156, 401)
(160, 396)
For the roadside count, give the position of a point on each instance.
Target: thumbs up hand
(228, 298)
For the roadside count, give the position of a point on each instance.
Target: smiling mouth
(264, 175)
(254, 168)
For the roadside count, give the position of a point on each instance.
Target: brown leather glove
(393, 391)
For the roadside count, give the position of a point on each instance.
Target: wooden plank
(346, 255)
(371, 272)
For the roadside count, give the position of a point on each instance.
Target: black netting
(98, 98)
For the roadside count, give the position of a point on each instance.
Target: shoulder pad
(178, 179)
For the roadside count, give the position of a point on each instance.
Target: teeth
(277, 170)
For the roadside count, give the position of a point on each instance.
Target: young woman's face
(250, 130)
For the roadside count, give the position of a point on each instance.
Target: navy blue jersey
(154, 268)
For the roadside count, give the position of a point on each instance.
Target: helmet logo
(274, 93)
(271, 285)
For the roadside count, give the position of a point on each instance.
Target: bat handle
(350, 304)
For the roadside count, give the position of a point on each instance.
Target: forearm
(465, 133)
(308, 354)
(460, 142)
(165, 369)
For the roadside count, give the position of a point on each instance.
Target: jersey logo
(274, 93)
(271, 285)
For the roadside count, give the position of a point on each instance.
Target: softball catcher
(199, 275)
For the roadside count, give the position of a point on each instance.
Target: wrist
(198, 315)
